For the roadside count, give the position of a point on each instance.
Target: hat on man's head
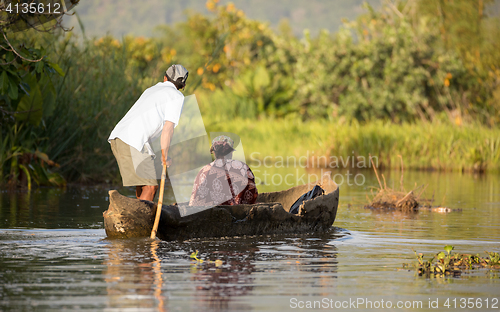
(177, 71)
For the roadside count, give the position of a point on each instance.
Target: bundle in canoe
(129, 217)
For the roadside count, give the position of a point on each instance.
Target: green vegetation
(423, 145)
(27, 99)
(194, 256)
(447, 264)
(396, 81)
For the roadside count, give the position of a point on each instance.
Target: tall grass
(422, 145)
(95, 93)
(439, 146)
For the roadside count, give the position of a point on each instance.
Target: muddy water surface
(54, 256)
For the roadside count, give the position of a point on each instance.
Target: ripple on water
(362, 257)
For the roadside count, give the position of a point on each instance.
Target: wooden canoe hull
(129, 217)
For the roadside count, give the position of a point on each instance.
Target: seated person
(224, 181)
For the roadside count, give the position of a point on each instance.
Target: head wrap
(222, 145)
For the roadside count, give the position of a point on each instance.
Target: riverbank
(289, 142)
(428, 146)
(243, 79)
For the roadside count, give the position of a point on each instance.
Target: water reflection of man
(156, 112)
(133, 276)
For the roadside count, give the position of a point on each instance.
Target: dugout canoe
(129, 217)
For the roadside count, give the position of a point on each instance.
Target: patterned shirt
(224, 182)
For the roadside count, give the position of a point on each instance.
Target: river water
(54, 255)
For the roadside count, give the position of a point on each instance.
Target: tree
(27, 94)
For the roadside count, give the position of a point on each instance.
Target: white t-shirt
(144, 121)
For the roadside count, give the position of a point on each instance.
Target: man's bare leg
(146, 192)
(138, 191)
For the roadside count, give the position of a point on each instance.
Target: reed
(95, 93)
(436, 146)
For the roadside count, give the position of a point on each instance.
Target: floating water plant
(387, 198)
(445, 263)
(194, 256)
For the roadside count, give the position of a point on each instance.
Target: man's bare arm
(166, 137)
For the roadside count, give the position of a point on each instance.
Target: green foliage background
(405, 66)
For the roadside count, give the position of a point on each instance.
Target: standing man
(156, 112)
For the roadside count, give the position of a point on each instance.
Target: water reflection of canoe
(130, 217)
